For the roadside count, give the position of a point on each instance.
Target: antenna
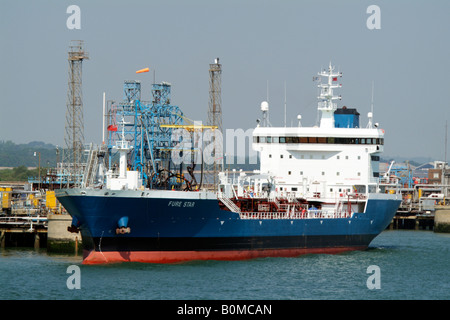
(104, 117)
(284, 103)
(370, 115)
(265, 111)
(445, 146)
(371, 106)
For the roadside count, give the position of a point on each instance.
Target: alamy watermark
(374, 280)
(74, 20)
(207, 146)
(74, 280)
(374, 20)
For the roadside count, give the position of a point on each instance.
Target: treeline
(27, 155)
(20, 173)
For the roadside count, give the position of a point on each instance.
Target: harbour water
(412, 265)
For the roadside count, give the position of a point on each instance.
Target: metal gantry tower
(74, 129)
(215, 98)
(147, 126)
(215, 119)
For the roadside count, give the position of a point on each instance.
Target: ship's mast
(326, 104)
(123, 147)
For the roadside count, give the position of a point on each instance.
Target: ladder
(90, 167)
(230, 204)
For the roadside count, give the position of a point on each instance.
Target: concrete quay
(39, 232)
(59, 239)
(442, 219)
(412, 222)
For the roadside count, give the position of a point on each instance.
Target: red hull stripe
(96, 257)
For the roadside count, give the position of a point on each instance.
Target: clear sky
(258, 42)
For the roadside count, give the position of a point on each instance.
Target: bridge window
(322, 140)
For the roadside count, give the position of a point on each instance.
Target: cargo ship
(317, 191)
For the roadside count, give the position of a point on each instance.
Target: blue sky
(258, 42)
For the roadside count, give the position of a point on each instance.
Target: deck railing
(310, 214)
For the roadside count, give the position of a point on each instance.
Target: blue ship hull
(173, 226)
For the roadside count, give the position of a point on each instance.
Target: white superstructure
(332, 160)
(126, 179)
